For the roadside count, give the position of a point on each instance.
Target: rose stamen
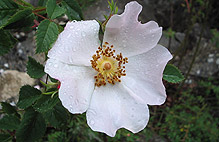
(110, 67)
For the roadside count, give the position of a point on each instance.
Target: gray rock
(11, 82)
(17, 58)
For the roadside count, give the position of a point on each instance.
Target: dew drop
(92, 122)
(66, 49)
(55, 66)
(70, 60)
(83, 34)
(74, 49)
(71, 27)
(152, 35)
(70, 97)
(49, 64)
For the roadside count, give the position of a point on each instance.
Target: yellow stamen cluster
(110, 67)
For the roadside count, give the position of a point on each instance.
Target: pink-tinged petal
(77, 84)
(144, 74)
(77, 43)
(113, 107)
(128, 35)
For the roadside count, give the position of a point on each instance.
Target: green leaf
(46, 103)
(9, 122)
(9, 109)
(42, 2)
(46, 35)
(24, 3)
(57, 137)
(8, 5)
(7, 9)
(73, 9)
(22, 18)
(172, 74)
(57, 115)
(6, 42)
(32, 127)
(28, 95)
(53, 9)
(5, 137)
(34, 69)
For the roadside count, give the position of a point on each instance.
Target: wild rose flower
(114, 82)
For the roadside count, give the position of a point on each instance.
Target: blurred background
(191, 111)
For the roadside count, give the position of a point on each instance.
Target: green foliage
(57, 137)
(53, 9)
(14, 16)
(169, 33)
(28, 95)
(32, 126)
(6, 42)
(21, 19)
(85, 3)
(42, 2)
(45, 103)
(56, 115)
(34, 69)
(9, 122)
(9, 109)
(215, 38)
(73, 10)
(190, 121)
(5, 137)
(46, 35)
(172, 74)
(7, 9)
(113, 7)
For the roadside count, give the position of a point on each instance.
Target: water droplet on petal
(83, 34)
(70, 60)
(152, 35)
(71, 97)
(71, 27)
(55, 66)
(92, 122)
(74, 49)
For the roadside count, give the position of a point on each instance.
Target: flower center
(110, 67)
(107, 66)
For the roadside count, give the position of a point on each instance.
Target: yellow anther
(110, 67)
